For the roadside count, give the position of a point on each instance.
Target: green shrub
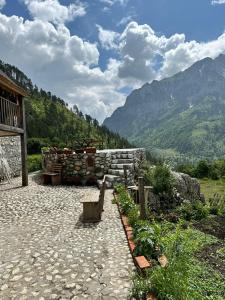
(133, 215)
(161, 178)
(202, 169)
(34, 162)
(217, 204)
(125, 201)
(187, 169)
(119, 188)
(193, 211)
(147, 239)
(34, 145)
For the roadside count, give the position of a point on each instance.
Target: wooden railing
(9, 113)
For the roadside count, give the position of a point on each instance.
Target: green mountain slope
(51, 122)
(182, 114)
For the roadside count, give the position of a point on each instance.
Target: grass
(211, 187)
(185, 277)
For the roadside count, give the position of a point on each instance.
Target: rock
(187, 187)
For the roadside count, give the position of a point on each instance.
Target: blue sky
(94, 52)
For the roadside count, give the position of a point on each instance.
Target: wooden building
(12, 117)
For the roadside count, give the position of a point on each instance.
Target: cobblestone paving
(47, 253)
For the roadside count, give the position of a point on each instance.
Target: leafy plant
(34, 162)
(133, 215)
(217, 204)
(161, 178)
(193, 211)
(147, 239)
(125, 201)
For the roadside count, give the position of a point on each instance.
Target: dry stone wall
(79, 167)
(84, 168)
(12, 153)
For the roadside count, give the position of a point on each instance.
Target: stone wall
(79, 167)
(12, 152)
(85, 168)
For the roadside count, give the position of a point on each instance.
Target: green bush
(125, 201)
(193, 211)
(217, 205)
(161, 178)
(34, 145)
(202, 169)
(133, 215)
(34, 162)
(187, 169)
(148, 240)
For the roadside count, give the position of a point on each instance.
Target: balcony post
(23, 139)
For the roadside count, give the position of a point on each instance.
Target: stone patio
(47, 253)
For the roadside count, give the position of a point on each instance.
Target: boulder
(187, 187)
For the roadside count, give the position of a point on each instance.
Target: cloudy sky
(94, 52)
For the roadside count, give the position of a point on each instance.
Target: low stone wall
(79, 168)
(87, 168)
(12, 152)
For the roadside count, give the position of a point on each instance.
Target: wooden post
(23, 139)
(141, 198)
(125, 174)
(147, 189)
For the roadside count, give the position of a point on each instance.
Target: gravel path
(47, 253)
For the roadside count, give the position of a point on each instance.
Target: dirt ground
(213, 254)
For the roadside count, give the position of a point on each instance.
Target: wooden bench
(93, 207)
(54, 176)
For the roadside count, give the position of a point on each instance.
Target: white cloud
(139, 45)
(53, 11)
(140, 48)
(2, 3)
(126, 20)
(68, 66)
(62, 63)
(112, 2)
(216, 2)
(108, 38)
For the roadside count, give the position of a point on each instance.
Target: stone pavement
(47, 253)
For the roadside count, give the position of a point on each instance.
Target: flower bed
(181, 276)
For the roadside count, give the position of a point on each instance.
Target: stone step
(120, 166)
(111, 178)
(116, 172)
(122, 155)
(109, 184)
(122, 161)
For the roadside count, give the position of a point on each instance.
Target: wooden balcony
(10, 118)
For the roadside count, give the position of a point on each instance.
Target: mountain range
(180, 115)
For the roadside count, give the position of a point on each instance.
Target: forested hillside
(50, 122)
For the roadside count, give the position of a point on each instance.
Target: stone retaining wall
(79, 168)
(84, 168)
(12, 152)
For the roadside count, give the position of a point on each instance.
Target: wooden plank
(11, 129)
